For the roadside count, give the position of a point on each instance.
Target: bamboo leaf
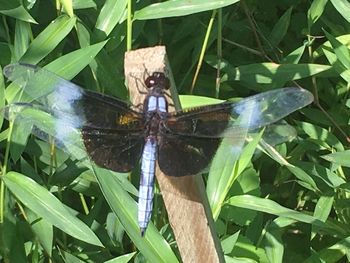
(48, 39)
(175, 8)
(265, 73)
(46, 205)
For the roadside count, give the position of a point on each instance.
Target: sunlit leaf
(48, 39)
(342, 158)
(175, 8)
(42, 202)
(265, 73)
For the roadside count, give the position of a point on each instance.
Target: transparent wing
(192, 137)
(225, 119)
(105, 127)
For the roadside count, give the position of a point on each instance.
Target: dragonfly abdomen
(148, 166)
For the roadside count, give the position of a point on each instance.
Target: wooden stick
(184, 197)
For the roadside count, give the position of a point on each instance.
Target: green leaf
(19, 13)
(175, 8)
(83, 35)
(42, 229)
(248, 252)
(272, 152)
(19, 137)
(153, 247)
(191, 101)
(266, 73)
(111, 14)
(327, 176)
(69, 65)
(348, 103)
(295, 56)
(324, 207)
(341, 158)
(17, 252)
(23, 36)
(275, 247)
(229, 242)
(280, 28)
(71, 258)
(337, 66)
(334, 253)
(271, 207)
(343, 39)
(48, 39)
(2, 97)
(46, 205)
(341, 51)
(224, 171)
(122, 259)
(323, 136)
(82, 4)
(5, 5)
(247, 183)
(68, 7)
(8, 235)
(343, 8)
(315, 11)
(5, 53)
(306, 179)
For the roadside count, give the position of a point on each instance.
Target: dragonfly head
(157, 80)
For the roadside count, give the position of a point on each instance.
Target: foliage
(289, 205)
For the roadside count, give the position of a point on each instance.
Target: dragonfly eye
(150, 82)
(157, 79)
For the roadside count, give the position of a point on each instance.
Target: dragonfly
(119, 136)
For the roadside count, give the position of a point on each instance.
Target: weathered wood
(184, 197)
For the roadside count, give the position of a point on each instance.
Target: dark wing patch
(189, 140)
(112, 133)
(184, 155)
(206, 121)
(117, 151)
(100, 111)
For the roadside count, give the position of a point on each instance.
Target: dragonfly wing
(192, 137)
(185, 155)
(180, 155)
(110, 132)
(117, 151)
(222, 120)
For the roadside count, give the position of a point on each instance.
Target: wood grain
(184, 197)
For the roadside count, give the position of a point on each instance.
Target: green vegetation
(288, 205)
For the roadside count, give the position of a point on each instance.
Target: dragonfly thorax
(156, 109)
(156, 104)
